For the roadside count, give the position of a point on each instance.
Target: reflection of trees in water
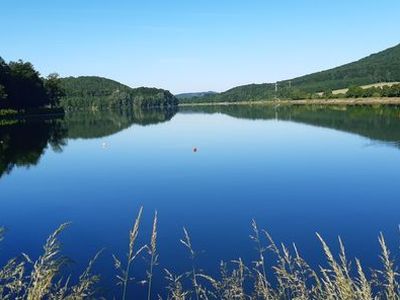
(95, 124)
(22, 142)
(381, 123)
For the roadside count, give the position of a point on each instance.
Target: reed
(188, 244)
(288, 276)
(124, 273)
(23, 278)
(2, 232)
(153, 256)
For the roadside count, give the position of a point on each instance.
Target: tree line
(99, 92)
(22, 87)
(256, 93)
(371, 92)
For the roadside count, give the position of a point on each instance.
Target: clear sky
(194, 45)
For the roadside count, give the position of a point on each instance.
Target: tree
(54, 88)
(26, 87)
(4, 80)
(21, 86)
(328, 94)
(355, 92)
(3, 94)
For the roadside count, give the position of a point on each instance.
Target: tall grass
(124, 273)
(153, 256)
(287, 276)
(23, 278)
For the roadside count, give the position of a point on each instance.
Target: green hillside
(194, 95)
(380, 67)
(99, 92)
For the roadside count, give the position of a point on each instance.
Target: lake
(295, 170)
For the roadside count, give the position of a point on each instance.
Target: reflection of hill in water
(95, 124)
(377, 123)
(23, 142)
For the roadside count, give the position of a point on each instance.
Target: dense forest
(22, 87)
(99, 92)
(380, 67)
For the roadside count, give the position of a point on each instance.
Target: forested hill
(99, 92)
(194, 95)
(380, 67)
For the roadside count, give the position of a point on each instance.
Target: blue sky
(185, 45)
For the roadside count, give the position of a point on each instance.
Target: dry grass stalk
(40, 283)
(390, 285)
(231, 284)
(46, 268)
(124, 276)
(336, 278)
(363, 288)
(153, 255)
(175, 287)
(12, 280)
(85, 288)
(262, 286)
(295, 279)
(188, 244)
(293, 274)
(2, 232)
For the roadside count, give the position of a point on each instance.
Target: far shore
(345, 102)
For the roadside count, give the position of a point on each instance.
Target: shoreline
(339, 101)
(35, 113)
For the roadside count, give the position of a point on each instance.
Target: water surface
(296, 171)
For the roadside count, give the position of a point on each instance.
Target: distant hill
(93, 91)
(194, 95)
(380, 67)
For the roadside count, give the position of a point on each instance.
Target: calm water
(296, 171)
